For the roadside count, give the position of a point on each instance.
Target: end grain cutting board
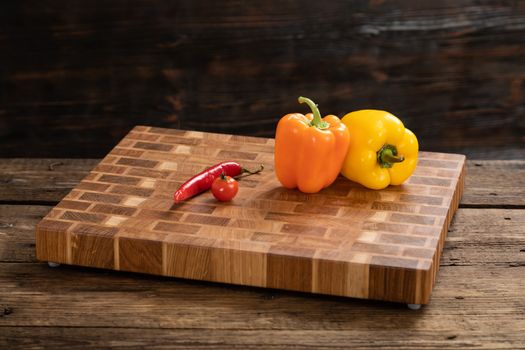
(345, 240)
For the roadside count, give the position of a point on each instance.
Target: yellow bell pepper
(382, 151)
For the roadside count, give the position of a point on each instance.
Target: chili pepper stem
(246, 172)
(318, 122)
(261, 167)
(387, 156)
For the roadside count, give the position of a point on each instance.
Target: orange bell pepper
(309, 150)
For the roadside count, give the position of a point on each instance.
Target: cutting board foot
(414, 306)
(53, 264)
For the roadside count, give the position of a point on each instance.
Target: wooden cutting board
(346, 240)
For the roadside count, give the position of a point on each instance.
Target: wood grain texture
(96, 338)
(391, 252)
(477, 237)
(477, 302)
(78, 75)
(146, 303)
(47, 181)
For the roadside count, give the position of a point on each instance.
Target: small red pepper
(203, 180)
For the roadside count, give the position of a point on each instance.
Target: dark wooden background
(75, 76)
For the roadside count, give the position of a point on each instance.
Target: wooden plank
(17, 231)
(136, 338)
(47, 180)
(488, 182)
(468, 301)
(495, 182)
(237, 67)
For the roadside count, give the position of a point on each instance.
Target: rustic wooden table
(478, 301)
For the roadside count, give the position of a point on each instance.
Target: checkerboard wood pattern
(345, 240)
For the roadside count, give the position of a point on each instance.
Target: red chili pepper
(203, 180)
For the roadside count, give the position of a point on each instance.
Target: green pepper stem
(317, 121)
(387, 156)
